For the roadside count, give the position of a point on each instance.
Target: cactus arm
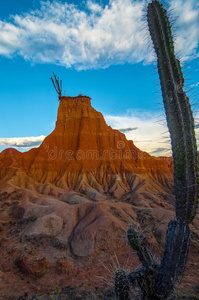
(178, 112)
(143, 253)
(145, 276)
(174, 258)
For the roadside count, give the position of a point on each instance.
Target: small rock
(47, 226)
(33, 267)
(63, 265)
(16, 211)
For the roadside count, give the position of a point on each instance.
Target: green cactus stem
(133, 238)
(121, 284)
(144, 254)
(159, 281)
(174, 258)
(178, 113)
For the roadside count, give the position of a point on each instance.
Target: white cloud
(95, 37)
(22, 142)
(125, 130)
(149, 136)
(94, 7)
(63, 34)
(187, 33)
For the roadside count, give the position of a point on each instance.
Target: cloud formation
(125, 130)
(92, 36)
(187, 34)
(22, 143)
(149, 134)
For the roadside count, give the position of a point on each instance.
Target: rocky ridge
(65, 205)
(82, 151)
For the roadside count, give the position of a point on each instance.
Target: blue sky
(98, 48)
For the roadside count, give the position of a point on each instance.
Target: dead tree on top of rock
(57, 85)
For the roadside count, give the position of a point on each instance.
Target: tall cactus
(159, 281)
(178, 112)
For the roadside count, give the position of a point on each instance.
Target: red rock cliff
(81, 151)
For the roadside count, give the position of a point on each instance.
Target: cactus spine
(159, 281)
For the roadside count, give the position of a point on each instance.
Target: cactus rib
(178, 113)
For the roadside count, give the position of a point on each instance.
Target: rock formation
(65, 204)
(81, 152)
